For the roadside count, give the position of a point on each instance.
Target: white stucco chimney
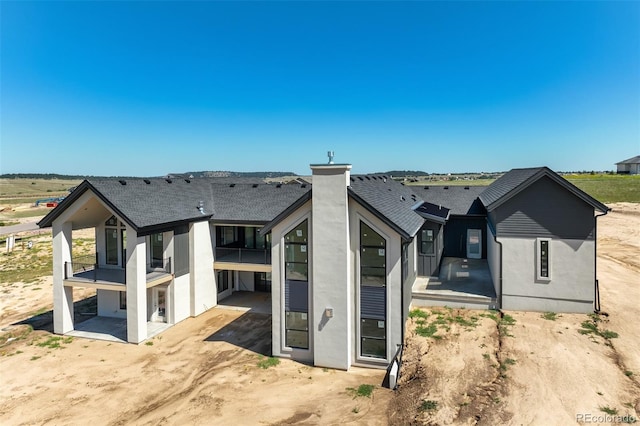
(330, 257)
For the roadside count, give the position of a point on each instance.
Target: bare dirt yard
(513, 368)
(460, 367)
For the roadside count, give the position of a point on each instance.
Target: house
(343, 258)
(630, 166)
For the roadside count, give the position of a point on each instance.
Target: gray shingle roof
(506, 183)
(433, 212)
(516, 180)
(153, 202)
(632, 160)
(460, 200)
(390, 200)
(250, 203)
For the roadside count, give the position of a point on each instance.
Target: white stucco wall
(332, 275)
(571, 284)
(394, 322)
(62, 296)
(277, 287)
(180, 300)
(201, 276)
(136, 287)
(109, 304)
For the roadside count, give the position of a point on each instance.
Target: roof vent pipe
(331, 154)
(201, 207)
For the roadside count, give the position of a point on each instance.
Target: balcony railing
(159, 265)
(84, 270)
(243, 255)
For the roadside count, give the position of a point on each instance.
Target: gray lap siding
(544, 210)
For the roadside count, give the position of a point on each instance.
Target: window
(111, 243)
(543, 255)
(426, 242)
(123, 300)
(112, 221)
(156, 250)
(405, 262)
(262, 281)
(227, 235)
(249, 237)
(296, 325)
(296, 257)
(373, 259)
(224, 279)
(263, 241)
(373, 342)
(373, 295)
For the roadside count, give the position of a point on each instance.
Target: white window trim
(539, 277)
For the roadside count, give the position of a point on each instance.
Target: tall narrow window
(123, 300)
(296, 309)
(111, 242)
(373, 294)
(250, 237)
(156, 250)
(543, 259)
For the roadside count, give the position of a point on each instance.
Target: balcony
(84, 273)
(243, 259)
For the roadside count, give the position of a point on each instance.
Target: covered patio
(112, 329)
(462, 283)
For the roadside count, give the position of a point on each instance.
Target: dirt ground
(486, 368)
(530, 368)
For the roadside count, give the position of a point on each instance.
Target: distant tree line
(260, 175)
(41, 176)
(404, 173)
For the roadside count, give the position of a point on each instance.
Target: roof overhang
(286, 212)
(433, 212)
(403, 234)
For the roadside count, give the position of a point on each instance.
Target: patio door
(159, 300)
(474, 243)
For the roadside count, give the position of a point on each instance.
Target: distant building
(630, 166)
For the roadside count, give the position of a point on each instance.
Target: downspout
(402, 319)
(495, 238)
(596, 286)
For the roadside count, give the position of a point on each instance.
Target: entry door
(159, 305)
(474, 243)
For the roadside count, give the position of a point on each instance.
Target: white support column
(62, 296)
(331, 266)
(136, 287)
(202, 281)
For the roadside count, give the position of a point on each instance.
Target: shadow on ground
(250, 331)
(82, 309)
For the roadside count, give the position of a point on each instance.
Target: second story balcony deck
(243, 259)
(83, 273)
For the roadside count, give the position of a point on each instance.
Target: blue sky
(147, 88)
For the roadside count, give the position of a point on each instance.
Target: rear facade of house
(341, 258)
